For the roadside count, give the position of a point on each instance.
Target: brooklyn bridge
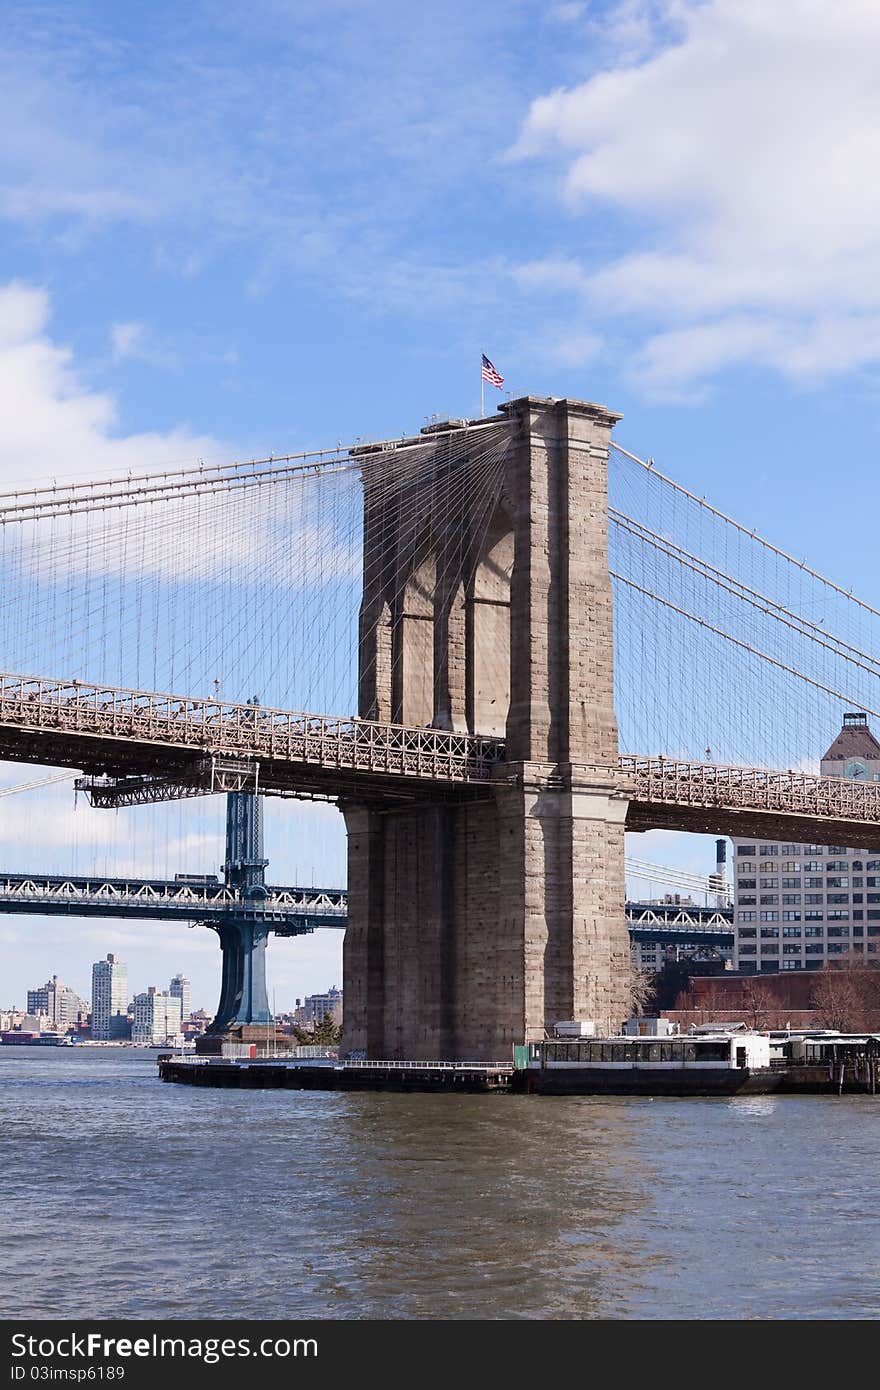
(497, 646)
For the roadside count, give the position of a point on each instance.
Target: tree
(846, 994)
(641, 990)
(671, 980)
(323, 1034)
(758, 1003)
(713, 1001)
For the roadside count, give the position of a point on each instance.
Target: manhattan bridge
(495, 646)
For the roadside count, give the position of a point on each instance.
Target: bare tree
(758, 1003)
(641, 990)
(846, 994)
(713, 1001)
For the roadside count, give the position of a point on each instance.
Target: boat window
(690, 1052)
(619, 1051)
(654, 1052)
(666, 1052)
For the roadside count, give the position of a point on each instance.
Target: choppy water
(122, 1197)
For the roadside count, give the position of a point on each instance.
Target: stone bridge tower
(474, 925)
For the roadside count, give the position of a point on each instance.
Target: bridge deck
(105, 729)
(189, 743)
(286, 911)
(710, 798)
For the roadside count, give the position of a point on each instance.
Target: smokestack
(720, 874)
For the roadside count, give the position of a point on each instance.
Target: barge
(300, 1074)
(15, 1038)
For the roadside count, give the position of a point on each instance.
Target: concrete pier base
(483, 925)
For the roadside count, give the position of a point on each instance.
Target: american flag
(490, 374)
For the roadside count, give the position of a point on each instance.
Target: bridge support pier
(475, 925)
(243, 995)
(244, 1002)
(478, 926)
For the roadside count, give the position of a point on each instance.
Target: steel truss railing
(668, 781)
(204, 726)
(659, 915)
(671, 924)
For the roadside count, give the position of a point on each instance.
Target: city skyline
(179, 985)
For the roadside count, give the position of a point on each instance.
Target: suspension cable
(203, 479)
(744, 530)
(744, 646)
(784, 615)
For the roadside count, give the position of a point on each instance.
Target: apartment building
(798, 906)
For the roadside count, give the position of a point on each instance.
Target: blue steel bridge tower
(242, 909)
(243, 934)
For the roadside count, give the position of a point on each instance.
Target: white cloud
(742, 154)
(135, 342)
(126, 339)
(559, 344)
(559, 274)
(57, 426)
(201, 148)
(574, 348)
(54, 424)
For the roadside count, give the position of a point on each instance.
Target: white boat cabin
(742, 1050)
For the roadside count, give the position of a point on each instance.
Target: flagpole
(482, 392)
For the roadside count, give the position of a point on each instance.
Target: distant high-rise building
(799, 906)
(316, 1007)
(156, 1018)
(60, 1004)
(181, 989)
(109, 996)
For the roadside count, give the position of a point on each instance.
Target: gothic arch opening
(415, 641)
(488, 631)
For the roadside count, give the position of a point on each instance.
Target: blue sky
(229, 229)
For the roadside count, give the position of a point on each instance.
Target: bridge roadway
(672, 924)
(144, 746)
(284, 911)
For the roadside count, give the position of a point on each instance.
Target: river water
(126, 1198)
